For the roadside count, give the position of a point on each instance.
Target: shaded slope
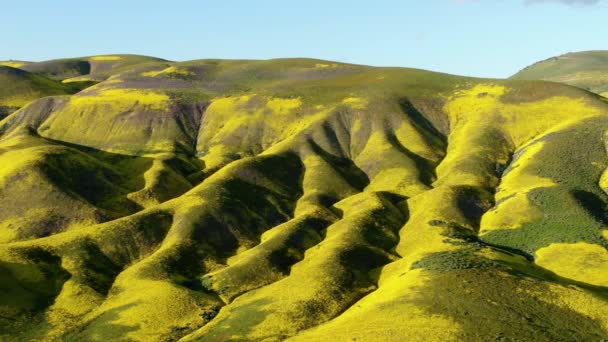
(91, 68)
(587, 70)
(19, 87)
(22, 82)
(309, 200)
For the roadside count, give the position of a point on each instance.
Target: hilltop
(90, 68)
(587, 70)
(302, 200)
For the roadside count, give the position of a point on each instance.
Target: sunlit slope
(308, 200)
(587, 70)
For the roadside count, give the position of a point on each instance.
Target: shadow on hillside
(471, 293)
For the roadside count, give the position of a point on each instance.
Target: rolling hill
(22, 82)
(304, 200)
(91, 68)
(587, 70)
(19, 87)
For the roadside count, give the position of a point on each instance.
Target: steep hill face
(301, 199)
(587, 70)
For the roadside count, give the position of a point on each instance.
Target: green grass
(62, 69)
(300, 199)
(587, 70)
(19, 87)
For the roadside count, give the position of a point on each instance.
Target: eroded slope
(308, 200)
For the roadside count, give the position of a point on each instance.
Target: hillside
(19, 87)
(22, 82)
(91, 68)
(587, 70)
(304, 200)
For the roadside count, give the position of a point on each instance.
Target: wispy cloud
(564, 2)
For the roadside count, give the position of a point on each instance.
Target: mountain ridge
(300, 199)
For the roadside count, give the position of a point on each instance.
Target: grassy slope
(90, 68)
(305, 199)
(22, 82)
(19, 87)
(587, 70)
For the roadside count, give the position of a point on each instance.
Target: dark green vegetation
(299, 199)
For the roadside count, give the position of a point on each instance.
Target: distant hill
(91, 68)
(19, 87)
(300, 199)
(22, 82)
(587, 70)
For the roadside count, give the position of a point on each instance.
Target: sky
(484, 38)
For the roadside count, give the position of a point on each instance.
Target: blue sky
(486, 38)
